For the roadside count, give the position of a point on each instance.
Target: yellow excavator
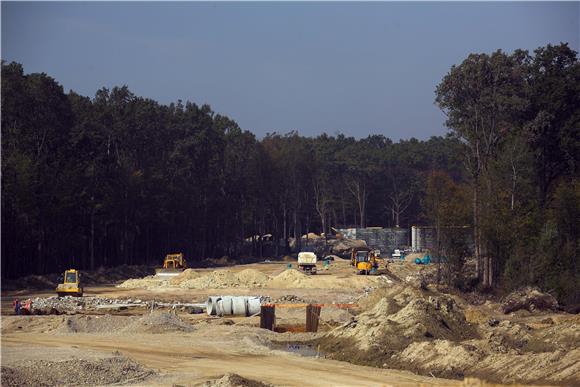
(364, 260)
(71, 284)
(172, 265)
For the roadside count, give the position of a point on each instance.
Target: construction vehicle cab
(173, 264)
(174, 261)
(364, 260)
(71, 284)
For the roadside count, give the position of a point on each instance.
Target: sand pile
(426, 333)
(252, 278)
(234, 380)
(77, 372)
(290, 278)
(150, 282)
(449, 359)
(442, 357)
(187, 274)
(158, 322)
(405, 317)
(227, 279)
(94, 324)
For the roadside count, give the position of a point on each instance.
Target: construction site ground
(141, 331)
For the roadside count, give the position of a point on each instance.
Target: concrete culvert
(232, 305)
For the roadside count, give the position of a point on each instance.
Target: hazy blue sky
(358, 68)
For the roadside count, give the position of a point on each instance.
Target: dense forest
(121, 179)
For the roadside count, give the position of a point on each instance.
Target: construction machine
(307, 262)
(71, 284)
(173, 264)
(364, 260)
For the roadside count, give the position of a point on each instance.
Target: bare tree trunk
(476, 236)
(92, 239)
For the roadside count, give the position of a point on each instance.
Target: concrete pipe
(239, 306)
(254, 305)
(224, 306)
(212, 305)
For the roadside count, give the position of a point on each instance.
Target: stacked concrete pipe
(233, 305)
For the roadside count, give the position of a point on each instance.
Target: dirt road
(207, 354)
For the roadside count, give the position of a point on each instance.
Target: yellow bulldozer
(173, 264)
(71, 284)
(364, 260)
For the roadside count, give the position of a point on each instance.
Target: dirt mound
(158, 322)
(530, 299)
(93, 324)
(441, 357)
(252, 278)
(234, 380)
(77, 372)
(405, 317)
(290, 278)
(343, 246)
(150, 282)
(227, 279)
(187, 274)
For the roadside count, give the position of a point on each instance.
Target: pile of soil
(252, 278)
(150, 282)
(405, 317)
(94, 324)
(234, 380)
(227, 279)
(155, 322)
(77, 372)
(530, 299)
(344, 246)
(158, 322)
(290, 278)
(187, 274)
(426, 332)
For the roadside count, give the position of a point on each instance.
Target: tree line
(120, 179)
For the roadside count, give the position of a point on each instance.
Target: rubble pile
(530, 299)
(105, 324)
(234, 380)
(71, 305)
(158, 322)
(290, 299)
(76, 372)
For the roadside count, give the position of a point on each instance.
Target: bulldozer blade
(168, 272)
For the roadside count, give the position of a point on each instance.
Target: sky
(353, 68)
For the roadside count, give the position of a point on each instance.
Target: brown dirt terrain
(395, 325)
